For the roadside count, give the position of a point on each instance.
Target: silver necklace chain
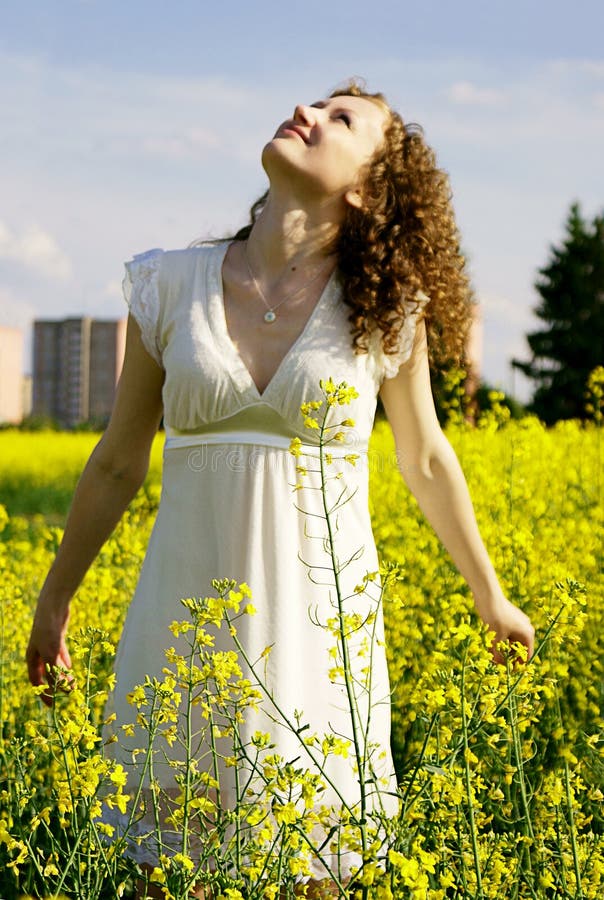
(270, 315)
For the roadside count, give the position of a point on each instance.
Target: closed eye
(341, 115)
(344, 117)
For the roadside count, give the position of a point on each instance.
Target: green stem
(404, 802)
(149, 766)
(517, 748)
(352, 704)
(571, 818)
(468, 780)
(560, 844)
(512, 688)
(284, 718)
(75, 847)
(188, 753)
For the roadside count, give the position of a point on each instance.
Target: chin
(269, 151)
(275, 157)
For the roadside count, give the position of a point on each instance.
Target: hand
(509, 624)
(47, 647)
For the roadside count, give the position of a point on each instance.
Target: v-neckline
(326, 293)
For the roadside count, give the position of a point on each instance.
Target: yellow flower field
(501, 768)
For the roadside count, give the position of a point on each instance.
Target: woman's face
(322, 149)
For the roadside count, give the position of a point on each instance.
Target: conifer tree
(571, 343)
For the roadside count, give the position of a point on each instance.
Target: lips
(290, 126)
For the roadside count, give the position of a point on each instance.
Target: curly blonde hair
(402, 240)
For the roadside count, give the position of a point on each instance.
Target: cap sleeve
(390, 363)
(141, 293)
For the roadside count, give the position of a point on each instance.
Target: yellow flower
(118, 776)
(261, 739)
(183, 861)
(120, 800)
(137, 697)
(509, 774)
(556, 792)
(327, 386)
(285, 813)
(50, 869)
(178, 628)
(310, 405)
(256, 815)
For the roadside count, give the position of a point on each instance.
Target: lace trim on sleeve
(391, 362)
(141, 293)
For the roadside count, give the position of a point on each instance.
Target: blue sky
(135, 125)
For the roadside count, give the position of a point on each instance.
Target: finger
(35, 668)
(41, 673)
(526, 639)
(48, 698)
(64, 661)
(65, 657)
(507, 652)
(496, 653)
(60, 679)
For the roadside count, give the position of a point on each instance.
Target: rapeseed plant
(500, 768)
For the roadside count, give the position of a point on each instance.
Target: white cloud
(593, 67)
(89, 112)
(468, 94)
(191, 143)
(36, 249)
(201, 91)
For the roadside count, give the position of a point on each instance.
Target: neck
(287, 237)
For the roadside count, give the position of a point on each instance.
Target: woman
(351, 252)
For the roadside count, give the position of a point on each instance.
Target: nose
(305, 114)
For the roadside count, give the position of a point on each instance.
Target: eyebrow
(321, 104)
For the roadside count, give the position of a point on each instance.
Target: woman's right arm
(113, 474)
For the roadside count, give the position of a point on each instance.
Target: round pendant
(269, 316)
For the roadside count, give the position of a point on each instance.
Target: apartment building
(76, 366)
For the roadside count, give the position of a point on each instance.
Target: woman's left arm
(432, 472)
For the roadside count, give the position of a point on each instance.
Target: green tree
(570, 345)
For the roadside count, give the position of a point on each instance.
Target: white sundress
(228, 509)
